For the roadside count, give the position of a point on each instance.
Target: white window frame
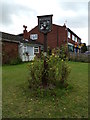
(33, 36)
(36, 48)
(24, 47)
(70, 44)
(73, 37)
(79, 41)
(69, 34)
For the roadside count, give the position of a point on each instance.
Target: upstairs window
(72, 37)
(69, 35)
(79, 41)
(34, 36)
(75, 39)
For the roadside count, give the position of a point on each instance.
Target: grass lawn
(18, 101)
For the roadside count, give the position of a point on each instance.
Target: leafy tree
(84, 48)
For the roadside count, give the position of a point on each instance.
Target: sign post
(45, 26)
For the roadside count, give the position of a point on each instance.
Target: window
(36, 49)
(70, 47)
(34, 36)
(25, 49)
(72, 37)
(69, 35)
(79, 41)
(75, 39)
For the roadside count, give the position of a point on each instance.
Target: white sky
(16, 13)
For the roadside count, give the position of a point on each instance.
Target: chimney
(64, 25)
(25, 32)
(25, 27)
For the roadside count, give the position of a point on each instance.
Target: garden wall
(9, 51)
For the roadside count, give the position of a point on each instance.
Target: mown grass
(18, 101)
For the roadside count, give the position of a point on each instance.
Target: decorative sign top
(45, 23)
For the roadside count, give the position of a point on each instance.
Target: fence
(79, 57)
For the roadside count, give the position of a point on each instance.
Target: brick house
(14, 46)
(29, 44)
(9, 47)
(58, 36)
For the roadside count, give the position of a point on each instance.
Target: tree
(83, 48)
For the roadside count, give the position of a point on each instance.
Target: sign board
(45, 23)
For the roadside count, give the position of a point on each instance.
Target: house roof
(21, 34)
(31, 42)
(10, 37)
(16, 38)
(57, 26)
(73, 33)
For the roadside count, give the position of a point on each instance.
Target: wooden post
(44, 78)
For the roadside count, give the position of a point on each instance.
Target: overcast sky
(16, 13)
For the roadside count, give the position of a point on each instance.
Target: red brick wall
(52, 36)
(9, 51)
(35, 31)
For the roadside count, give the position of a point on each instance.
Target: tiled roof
(73, 33)
(10, 37)
(16, 38)
(32, 42)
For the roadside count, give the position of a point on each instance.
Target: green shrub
(35, 73)
(63, 52)
(57, 72)
(15, 61)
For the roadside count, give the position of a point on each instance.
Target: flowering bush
(57, 71)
